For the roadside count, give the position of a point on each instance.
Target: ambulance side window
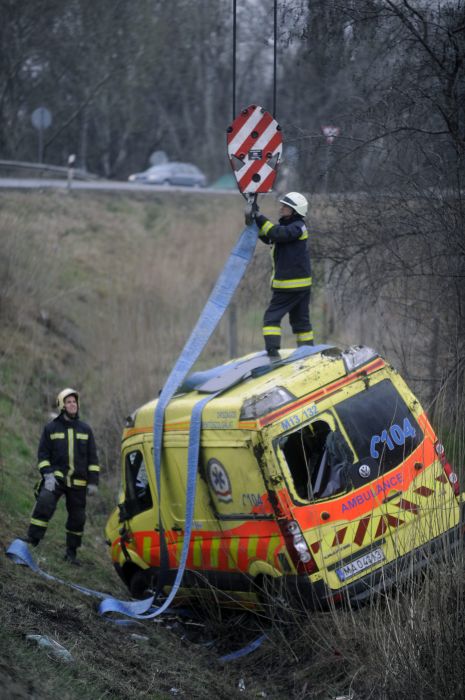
(318, 459)
(138, 496)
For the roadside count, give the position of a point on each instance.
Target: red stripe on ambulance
(339, 536)
(361, 530)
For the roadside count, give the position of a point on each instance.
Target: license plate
(355, 567)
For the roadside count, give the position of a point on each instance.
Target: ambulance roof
(249, 387)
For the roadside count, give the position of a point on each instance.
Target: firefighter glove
(92, 489)
(49, 482)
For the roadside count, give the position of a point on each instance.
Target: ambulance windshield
(380, 426)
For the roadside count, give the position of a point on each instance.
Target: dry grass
(100, 292)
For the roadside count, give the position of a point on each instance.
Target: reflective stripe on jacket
(67, 449)
(291, 258)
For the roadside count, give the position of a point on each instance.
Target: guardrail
(45, 168)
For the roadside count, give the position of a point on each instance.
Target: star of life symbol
(219, 480)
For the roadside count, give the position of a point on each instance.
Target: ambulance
(319, 478)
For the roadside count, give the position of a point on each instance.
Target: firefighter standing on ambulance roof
(68, 463)
(292, 276)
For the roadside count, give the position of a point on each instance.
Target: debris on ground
(53, 646)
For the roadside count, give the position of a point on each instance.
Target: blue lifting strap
(18, 552)
(215, 307)
(227, 375)
(143, 610)
(220, 297)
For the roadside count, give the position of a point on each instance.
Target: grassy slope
(100, 292)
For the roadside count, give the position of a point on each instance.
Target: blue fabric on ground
(18, 551)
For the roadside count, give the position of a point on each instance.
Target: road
(102, 185)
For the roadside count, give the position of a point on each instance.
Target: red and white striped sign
(255, 146)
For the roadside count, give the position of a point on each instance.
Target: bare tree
(123, 79)
(397, 245)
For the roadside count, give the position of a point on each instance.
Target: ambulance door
(173, 486)
(235, 483)
(315, 459)
(243, 513)
(136, 510)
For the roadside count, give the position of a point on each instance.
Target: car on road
(174, 173)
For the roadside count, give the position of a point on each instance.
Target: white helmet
(296, 201)
(64, 395)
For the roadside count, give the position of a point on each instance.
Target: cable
(275, 43)
(275, 56)
(234, 62)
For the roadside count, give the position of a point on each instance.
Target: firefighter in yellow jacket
(292, 276)
(68, 464)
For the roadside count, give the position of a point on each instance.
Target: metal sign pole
(41, 144)
(41, 119)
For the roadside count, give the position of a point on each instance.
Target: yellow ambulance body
(320, 477)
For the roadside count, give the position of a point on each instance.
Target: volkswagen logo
(364, 471)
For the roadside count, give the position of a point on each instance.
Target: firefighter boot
(30, 540)
(70, 557)
(274, 356)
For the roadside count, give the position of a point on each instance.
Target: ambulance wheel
(142, 584)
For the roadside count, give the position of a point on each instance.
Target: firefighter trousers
(45, 507)
(296, 304)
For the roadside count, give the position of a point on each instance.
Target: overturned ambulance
(320, 477)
